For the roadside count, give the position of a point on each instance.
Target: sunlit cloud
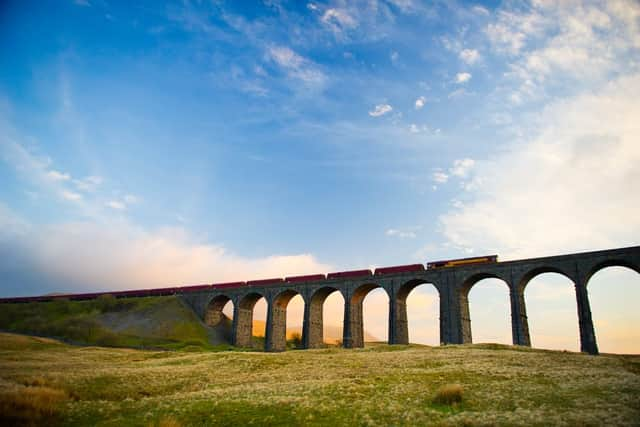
(117, 255)
(463, 77)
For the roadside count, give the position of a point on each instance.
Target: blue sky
(189, 142)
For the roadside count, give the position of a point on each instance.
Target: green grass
(102, 322)
(377, 385)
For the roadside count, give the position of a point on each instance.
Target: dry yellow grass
(449, 394)
(30, 405)
(379, 385)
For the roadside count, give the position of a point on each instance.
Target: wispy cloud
(406, 233)
(575, 45)
(116, 204)
(414, 128)
(440, 177)
(70, 195)
(58, 176)
(295, 65)
(461, 167)
(37, 171)
(380, 110)
(512, 30)
(338, 20)
(89, 184)
(457, 93)
(480, 10)
(469, 56)
(122, 203)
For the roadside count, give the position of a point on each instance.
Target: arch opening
(277, 336)
(552, 315)
(251, 321)
(370, 306)
(614, 291)
(418, 314)
(326, 316)
(295, 317)
(218, 311)
(618, 263)
(485, 299)
(219, 317)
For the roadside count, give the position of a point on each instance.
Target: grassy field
(43, 381)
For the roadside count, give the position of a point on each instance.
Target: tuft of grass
(449, 394)
(166, 422)
(30, 405)
(296, 340)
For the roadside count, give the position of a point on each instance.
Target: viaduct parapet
(453, 285)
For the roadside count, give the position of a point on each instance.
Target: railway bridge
(453, 285)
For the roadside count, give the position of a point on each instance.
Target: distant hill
(152, 322)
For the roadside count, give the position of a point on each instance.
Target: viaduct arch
(453, 285)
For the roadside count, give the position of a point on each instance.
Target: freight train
(410, 268)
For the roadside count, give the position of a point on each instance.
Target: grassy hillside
(46, 382)
(153, 322)
(156, 322)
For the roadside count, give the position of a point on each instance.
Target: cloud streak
(296, 66)
(85, 256)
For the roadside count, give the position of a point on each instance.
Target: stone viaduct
(453, 285)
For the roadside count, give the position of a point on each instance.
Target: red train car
(158, 292)
(349, 274)
(194, 288)
(228, 285)
(265, 282)
(83, 297)
(410, 268)
(307, 278)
